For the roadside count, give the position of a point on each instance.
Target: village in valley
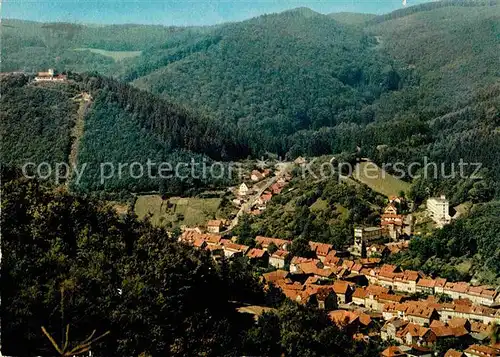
(364, 296)
(232, 178)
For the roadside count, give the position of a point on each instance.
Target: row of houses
(416, 324)
(325, 296)
(424, 338)
(261, 202)
(330, 264)
(472, 351)
(425, 312)
(413, 334)
(410, 281)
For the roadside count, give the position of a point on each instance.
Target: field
(379, 180)
(176, 210)
(116, 55)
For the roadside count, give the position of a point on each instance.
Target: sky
(178, 12)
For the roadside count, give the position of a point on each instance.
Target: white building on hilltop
(439, 210)
(50, 76)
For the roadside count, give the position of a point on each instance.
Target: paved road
(245, 207)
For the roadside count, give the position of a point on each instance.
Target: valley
(293, 184)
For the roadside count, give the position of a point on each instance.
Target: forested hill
(423, 81)
(278, 74)
(121, 124)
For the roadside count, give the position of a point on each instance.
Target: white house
(243, 189)
(439, 210)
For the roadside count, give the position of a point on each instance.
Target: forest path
(85, 101)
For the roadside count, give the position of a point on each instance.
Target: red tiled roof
(214, 247)
(391, 297)
(412, 308)
(199, 243)
(426, 283)
(440, 282)
(364, 319)
(256, 253)
(332, 260)
(191, 236)
(311, 280)
(343, 318)
(388, 268)
(321, 249)
(459, 287)
(415, 330)
(457, 322)
(312, 268)
(276, 188)
(300, 260)
(280, 254)
(420, 310)
(393, 351)
(356, 268)
(359, 293)
(479, 350)
(479, 327)
(233, 246)
(453, 353)
(370, 261)
(214, 223)
(275, 276)
(266, 196)
(341, 287)
(348, 264)
(442, 331)
(265, 241)
(376, 289)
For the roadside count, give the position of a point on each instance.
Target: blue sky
(178, 12)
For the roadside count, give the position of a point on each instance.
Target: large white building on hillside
(439, 210)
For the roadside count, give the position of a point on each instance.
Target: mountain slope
(33, 46)
(452, 50)
(122, 125)
(420, 82)
(277, 74)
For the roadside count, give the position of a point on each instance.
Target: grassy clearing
(465, 266)
(319, 205)
(343, 212)
(379, 180)
(116, 55)
(177, 210)
(119, 207)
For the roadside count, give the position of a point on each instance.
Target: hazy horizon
(179, 13)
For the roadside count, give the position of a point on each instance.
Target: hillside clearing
(116, 55)
(176, 210)
(379, 180)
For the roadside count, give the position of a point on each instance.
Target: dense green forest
(126, 125)
(121, 125)
(422, 81)
(32, 46)
(36, 121)
(419, 83)
(304, 83)
(69, 260)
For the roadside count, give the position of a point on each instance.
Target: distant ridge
(431, 6)
(351, 18)
(304, 11)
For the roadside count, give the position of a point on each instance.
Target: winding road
(262, 186)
